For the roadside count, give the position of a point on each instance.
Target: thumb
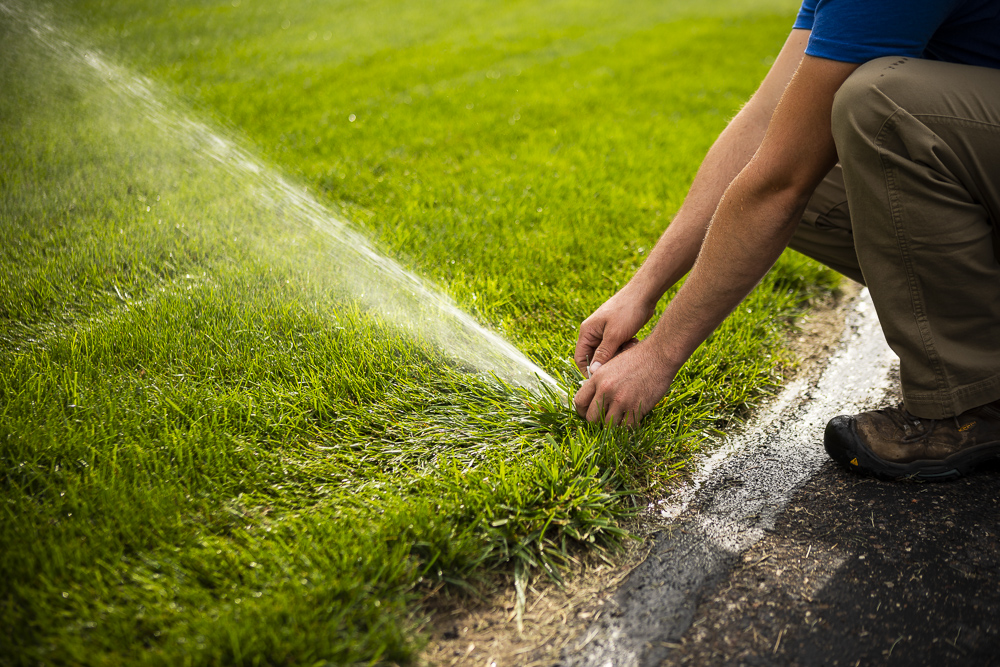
(603, 354)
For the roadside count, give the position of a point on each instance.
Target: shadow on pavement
(860, 571)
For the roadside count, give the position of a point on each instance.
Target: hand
(611, 330)
(623, 390)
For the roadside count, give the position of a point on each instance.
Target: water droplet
(352, 118)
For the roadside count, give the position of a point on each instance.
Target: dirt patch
(820, 329)
(470, 632)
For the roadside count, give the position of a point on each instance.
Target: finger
(614, 416)
(633, 417)
(595, 412)
(607, 349)
(598, 410)
(588, 340)
(584, 397)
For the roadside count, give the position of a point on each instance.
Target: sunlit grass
(213, 450)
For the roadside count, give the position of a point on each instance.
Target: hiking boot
(891, 443)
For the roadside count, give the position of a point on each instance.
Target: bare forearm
(748, 233)
(678, 247)
(759, 212)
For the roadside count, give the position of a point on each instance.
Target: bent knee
(869, 95)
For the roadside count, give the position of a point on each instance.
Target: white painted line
(737, 495)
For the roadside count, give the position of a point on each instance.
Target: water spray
(381, 283)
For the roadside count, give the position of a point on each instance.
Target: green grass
(213, 449)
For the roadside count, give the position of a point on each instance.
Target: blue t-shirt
(856, 31)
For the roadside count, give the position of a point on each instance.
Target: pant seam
(958, 119)
(916, 297)
(964, 390)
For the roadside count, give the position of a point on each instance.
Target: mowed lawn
(214, 449)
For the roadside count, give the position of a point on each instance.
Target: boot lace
(915, 428)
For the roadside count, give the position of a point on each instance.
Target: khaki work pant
(913, 212)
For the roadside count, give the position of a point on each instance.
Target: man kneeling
(873, 146)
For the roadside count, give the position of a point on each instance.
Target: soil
(484, 632)
(819, 330)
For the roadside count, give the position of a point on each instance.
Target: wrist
(670, 346)
(642, 292)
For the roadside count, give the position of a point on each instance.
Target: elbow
(786, 187)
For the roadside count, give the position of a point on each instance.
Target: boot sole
(844, 446)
